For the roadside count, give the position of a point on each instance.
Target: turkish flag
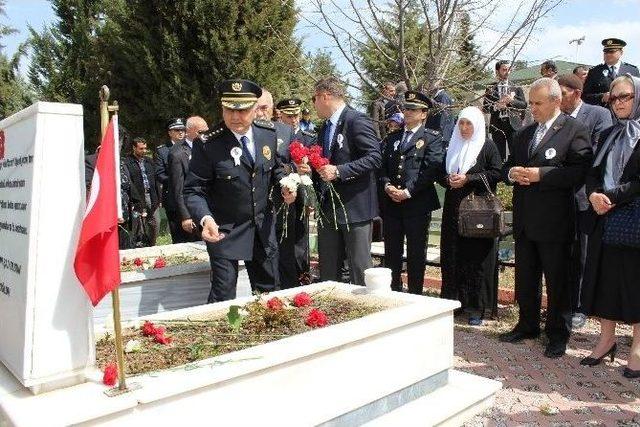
(97, 262)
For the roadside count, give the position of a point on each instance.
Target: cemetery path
(538, 391)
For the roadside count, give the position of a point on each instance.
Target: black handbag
(482, 216)
(622, 225)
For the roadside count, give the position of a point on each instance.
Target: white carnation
(132, 346)
(306, 180)
(290, 183)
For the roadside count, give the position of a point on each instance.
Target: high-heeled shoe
(630, 373)
(593, 361)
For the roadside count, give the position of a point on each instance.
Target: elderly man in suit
(548, 164)
(599, 78)
(231, 176)
(178, 161)
(506, 104)
(349, 141)
(596, 119)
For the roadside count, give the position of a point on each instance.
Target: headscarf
(397, 117)
(623, 137)
(462, 153)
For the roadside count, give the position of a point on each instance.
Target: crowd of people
(570, 154)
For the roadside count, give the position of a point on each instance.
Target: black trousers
(532, 260)
(416, 230)
(178, 235)
(262, 270)
(578, 262)
(336, 245)
(293, 260)
(502, 136)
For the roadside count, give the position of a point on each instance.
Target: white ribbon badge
(550, 153)
(236, 152)
(340, 139)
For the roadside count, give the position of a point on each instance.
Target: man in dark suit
(599, 78)
(143, 194)
(506, 104)
(382, 108)
(176, 131)
(178, 161)
(349, 142)
(231, 175)
(294, 244)
(440, 117)
(596, 119)
(548, 163)
(411, 162)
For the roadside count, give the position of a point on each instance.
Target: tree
(164, 59)
(15, 94)
(433, 57)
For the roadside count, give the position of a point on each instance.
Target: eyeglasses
(623, 98)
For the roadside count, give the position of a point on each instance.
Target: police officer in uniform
(412, 161)
(231, 176)
(294, 244)
(176, 130)
(599, 78)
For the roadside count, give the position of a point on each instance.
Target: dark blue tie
(245, 148)
(326, 144)
(405, 140)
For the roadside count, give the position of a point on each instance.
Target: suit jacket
(415, 167)
(355, 150)
(137, 192)
(236, 196)
(598, 82)
(178, 162)
(596, 119)
(515, 110)
(545, 211)
(161, 162)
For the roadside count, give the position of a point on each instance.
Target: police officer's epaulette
(630, 65)
(266, 124)
(213, 132)
(311, 134)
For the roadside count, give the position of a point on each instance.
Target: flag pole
(115, 294)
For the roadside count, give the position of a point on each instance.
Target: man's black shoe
(555, 350)
(517, 336)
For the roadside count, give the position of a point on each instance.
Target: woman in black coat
(611, 289)
(463, 260)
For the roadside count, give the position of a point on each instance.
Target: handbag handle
(485, 181)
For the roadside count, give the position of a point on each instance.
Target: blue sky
(595, 19)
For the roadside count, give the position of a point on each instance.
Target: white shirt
(251, 146)
(577, 110)
(189, 142)
(616, 66)
(334, 120)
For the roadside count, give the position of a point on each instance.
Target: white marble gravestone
(46, 337)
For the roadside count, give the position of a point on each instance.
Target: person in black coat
(144, 197)
(410, 165)
(463, 260)
(349, 142)
(548, 164)
(227, 192)
(611, 290)
(506, 104)
(176, 130)
(178, 161)
(599, 78)
(440, 116)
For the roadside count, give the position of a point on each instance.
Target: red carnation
(148, 329)
(302, 299)
(315, 149)
(110, 374)
(137, 262)
(160, 263)
(316, 318)
(275, 304)
(162, 339)
(298, 152)
(317, 161)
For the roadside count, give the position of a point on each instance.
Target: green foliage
(15, 93)
(505, 194)
(234, 317)
(164, 59)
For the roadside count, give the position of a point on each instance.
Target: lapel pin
(266, 152)
(236, 152)
(550, 153)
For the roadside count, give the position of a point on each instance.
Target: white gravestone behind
(46, 335)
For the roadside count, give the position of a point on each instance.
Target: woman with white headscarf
(463, 260)
(611, 287)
